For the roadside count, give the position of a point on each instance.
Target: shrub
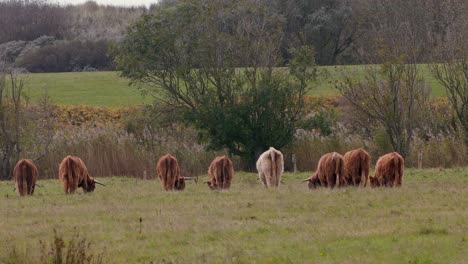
(67, 56)
(77, 250)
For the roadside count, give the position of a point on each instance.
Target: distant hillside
(108, 89)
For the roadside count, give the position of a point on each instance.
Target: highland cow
(74, 174)
(356, 165)
(169, 172)
(220, 173)
(270, 167)
(329, 173)
(388, 171)
(25, 175)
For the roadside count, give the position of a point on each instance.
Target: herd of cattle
(333, 170)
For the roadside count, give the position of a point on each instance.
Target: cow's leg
(268, 180)
(65, 186)
(276, 180)
(397, 182)
(390, 180)
(363, 182)
(261, 176)
(72, 188)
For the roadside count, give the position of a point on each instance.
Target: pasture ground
(108, 89)
(425, 221)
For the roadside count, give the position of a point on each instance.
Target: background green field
(425, 221)
(108, 89)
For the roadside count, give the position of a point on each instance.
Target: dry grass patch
(422, 222)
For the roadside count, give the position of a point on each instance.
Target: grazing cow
(270, 167)
(25, 175)
(169, 172)
(388, 171)
(220, 173)
(330, 172)
(73, 174)
(356, 164)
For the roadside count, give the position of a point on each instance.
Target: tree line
(341, 32)
(44, 37)
(239, 72)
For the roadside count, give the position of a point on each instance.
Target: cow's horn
(192, 178)
(14, 189)
(99, 183)
(206, 181)
(308, 179)
(38, 185)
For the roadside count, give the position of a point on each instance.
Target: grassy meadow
(108, 89)
(425, 221)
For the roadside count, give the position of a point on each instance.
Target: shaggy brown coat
(73, 174)
(25, 175)
(169, 172)
(270, 167)
(357, 165)
(388, 171)
(330, 171)
(220, 173)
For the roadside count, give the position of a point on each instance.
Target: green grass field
(108, 89)
(425, 221)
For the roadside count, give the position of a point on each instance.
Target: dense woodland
(44, 37)
(233, 79)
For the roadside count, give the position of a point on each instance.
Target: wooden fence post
(294, 163)
(420, 157)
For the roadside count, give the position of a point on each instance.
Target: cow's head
(313, 182)
(91, 184)
(179, 184)
(212, 185)
(373, 182)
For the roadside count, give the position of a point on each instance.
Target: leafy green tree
(188, 57)
(452, 73)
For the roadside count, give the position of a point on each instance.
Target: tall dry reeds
(442, 150)
(110, 151)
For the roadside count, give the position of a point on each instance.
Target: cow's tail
(29, 177)
(279, 167)
(273, 173)
(221, 174)
(168, 174)
(398, 170)
(174, 172)
(363, 168)
(338, 166)
(227, 166)
(22, 181)
(70, 181)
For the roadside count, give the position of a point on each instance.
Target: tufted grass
(108, 89)
(425, 221)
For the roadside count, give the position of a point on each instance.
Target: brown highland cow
(25, 176)
(357, 165)
(73, 174)
(388, 171)
(220, 173)
(329, 173)
(169, 172)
